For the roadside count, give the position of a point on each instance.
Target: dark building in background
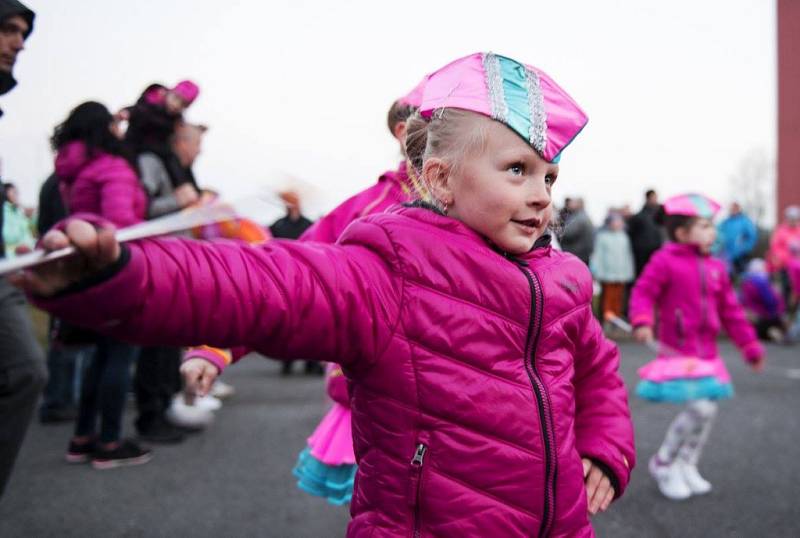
(788, 104)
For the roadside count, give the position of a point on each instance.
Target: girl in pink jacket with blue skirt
(693, 296)
(485, 399)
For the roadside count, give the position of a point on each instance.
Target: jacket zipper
(681, 328)
(542, 398)
(416, 463)
(703, 305)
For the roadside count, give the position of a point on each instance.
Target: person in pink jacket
(96, 178)
(393, 186)
(784, 246)
(94, 174)
(693, 296)
(486, 400)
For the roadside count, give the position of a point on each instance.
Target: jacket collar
(425, 212)
(684, 249)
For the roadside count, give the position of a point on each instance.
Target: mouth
(528, 225)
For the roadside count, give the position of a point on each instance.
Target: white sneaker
(697, 484)
(188, 416)
(208, 403)
(222, 390)
(670, 480)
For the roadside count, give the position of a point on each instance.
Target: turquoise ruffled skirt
(333, 482)
(684, 390)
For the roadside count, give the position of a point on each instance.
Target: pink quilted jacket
(478, 381)
(103, 185)
(694, 298)
(392, 188)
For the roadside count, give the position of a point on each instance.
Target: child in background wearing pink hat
(694, 297)
(485, 399)
(152, 122)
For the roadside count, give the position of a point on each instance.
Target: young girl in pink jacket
(694, 297)
(485, 399)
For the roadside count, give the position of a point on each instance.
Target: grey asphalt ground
(234, 480)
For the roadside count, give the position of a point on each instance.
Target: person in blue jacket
(737, 237)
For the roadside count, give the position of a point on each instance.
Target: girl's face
(501, 190)
(116, 129)
(701, 233)
(174, 104)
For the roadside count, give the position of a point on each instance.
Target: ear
(437, 176)
(399, 131)
(681, 234)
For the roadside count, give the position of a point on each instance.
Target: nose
(18, 42)
(538, 195)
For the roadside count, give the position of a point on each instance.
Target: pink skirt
(332, 441)
(662, 369)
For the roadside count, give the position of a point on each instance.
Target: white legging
(688, 433)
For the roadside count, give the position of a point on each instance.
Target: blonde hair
(449, 134)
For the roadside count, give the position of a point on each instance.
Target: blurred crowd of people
(136, 164)
(765, 265)
(124, 168)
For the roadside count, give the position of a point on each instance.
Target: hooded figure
(8, 9)
(9, 48)
(21, 358)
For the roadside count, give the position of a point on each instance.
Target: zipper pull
(419, 454)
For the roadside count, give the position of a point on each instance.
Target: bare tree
(753, 185)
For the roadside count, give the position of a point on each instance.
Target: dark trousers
(105, 388)
(65, 368)
(157, 380)
(22, 375)
(763, 325)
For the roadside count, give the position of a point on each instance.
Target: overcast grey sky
(677, 92)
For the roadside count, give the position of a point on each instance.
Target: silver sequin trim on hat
(494, 81)
(538, 129)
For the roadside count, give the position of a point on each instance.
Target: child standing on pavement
(486, 400)
(612, 264)
(693, 295)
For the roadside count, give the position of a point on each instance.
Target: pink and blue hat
(692, 205)
(522, 97)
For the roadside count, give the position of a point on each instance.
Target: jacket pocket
(680, 327)
(416, 468)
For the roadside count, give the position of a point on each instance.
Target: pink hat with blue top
(522, 97)
(692, 205)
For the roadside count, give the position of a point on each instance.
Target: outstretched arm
(647, 291)
(735, 322)
(283, 299)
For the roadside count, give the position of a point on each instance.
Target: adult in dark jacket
(292, 226)
(578, 235)
(69, 347)
(645, 231)
(22, 373)
(294, 223)
(157, 377)
(51, 205)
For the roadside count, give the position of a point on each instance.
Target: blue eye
(517, 169)
(549, 179)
